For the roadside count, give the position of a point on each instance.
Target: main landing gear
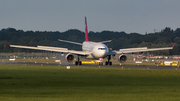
(78, 62)
(108, 62)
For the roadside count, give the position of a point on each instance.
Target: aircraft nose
(100, 51)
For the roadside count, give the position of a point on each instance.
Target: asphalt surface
(92, 65)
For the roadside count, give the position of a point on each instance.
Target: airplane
(92, 50)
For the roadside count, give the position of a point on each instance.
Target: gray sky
(139, 16)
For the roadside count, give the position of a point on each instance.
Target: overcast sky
(139, 16)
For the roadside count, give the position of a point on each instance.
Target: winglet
(7, 43)
(173, 45)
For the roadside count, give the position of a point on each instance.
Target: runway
(91, 65)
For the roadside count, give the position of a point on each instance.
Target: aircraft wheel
(80, 63)
(106, 63)
(110, 63)
(76, 63)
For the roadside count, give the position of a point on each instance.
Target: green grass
(56, 83)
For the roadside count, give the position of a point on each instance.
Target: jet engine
(122, 58)
(69, 57)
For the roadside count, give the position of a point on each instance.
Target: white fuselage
(97, 50)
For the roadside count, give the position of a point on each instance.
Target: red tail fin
(86, 31)
(7, 43)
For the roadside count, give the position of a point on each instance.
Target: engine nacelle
(122, 58)
(69, 57)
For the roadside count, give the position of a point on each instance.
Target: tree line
(166, 38)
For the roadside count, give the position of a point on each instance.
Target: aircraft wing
(54, 49)
(121, 51)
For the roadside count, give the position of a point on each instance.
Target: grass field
(56, 83)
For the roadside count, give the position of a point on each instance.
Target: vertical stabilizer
(86, 31)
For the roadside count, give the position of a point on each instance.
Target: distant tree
(167, 37)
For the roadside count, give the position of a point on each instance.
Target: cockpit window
(101, 48)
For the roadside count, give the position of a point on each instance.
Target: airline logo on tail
(86, 31)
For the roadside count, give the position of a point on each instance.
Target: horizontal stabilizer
(70, 42)
(105, 41)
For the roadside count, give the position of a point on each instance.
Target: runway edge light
(68, 67)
